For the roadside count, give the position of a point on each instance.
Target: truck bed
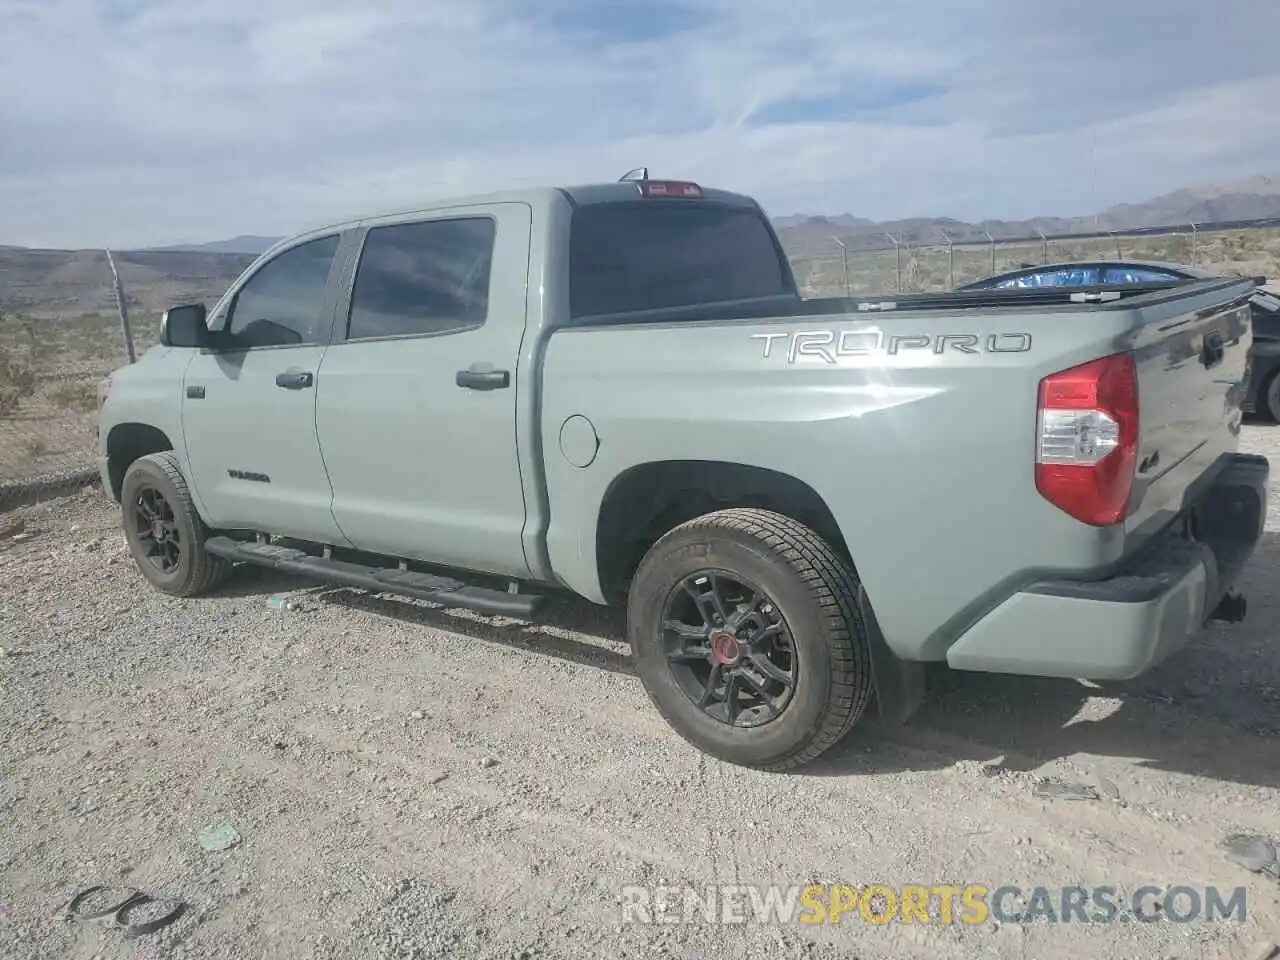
(913, 418)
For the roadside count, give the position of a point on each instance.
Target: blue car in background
(1262, 393)
(1094, 273)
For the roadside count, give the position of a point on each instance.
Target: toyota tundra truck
(617, 391)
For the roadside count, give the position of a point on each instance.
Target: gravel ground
(408, 782)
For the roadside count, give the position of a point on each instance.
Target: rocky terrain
(323, 773)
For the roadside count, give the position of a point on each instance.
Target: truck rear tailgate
(1173, 376)
(1191, 372)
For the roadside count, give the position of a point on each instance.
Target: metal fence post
(121, 307)
(951, 261)
(897, 256)
(844, 258)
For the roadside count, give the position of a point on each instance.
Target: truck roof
(580, 195)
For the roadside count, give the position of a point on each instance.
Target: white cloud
(147, 121)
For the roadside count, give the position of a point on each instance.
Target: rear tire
(794, 669)
(1269, 398)
(165, 533)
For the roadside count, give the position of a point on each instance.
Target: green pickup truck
(617, 391)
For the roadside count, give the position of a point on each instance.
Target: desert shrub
(76, 396)
(17, 380)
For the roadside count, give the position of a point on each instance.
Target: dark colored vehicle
(1262, 394)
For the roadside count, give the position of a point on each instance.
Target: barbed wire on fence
(934, 234)
(860, 266)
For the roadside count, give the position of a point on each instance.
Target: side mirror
(185, 326)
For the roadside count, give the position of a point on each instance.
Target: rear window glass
(652, 254)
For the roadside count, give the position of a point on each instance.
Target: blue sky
(130, 122)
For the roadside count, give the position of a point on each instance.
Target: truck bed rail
(1098, 297)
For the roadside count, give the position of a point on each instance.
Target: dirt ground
(407, 782)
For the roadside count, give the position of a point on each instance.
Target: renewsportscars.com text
(969, 904)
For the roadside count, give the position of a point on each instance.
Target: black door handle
(294, 380)
(486, 380)
(195, 393)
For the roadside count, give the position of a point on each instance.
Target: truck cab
(363, 384)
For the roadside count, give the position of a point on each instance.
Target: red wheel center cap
(725, 648)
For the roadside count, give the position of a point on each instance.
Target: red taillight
(670, 188)
(1087, 439)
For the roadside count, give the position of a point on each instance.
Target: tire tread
(207, 571)
(834, 589)
(1271, 410)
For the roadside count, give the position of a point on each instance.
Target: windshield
(653, 254)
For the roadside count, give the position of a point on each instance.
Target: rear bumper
(1120, 627)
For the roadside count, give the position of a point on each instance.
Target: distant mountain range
(811, 235)
(1253, 199)
(246, 243)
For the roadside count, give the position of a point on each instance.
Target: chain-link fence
(61, 333)
(49, 375)
(938, 266)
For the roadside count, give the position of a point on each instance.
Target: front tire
(165, 534)
(747, 635)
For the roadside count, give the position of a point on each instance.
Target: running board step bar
(420, 586)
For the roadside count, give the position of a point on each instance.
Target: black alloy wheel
(729, 648)
(156, 528)
(165, 533)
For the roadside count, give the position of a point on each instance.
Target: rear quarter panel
(925, 456)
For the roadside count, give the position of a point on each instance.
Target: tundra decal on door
(830, 345)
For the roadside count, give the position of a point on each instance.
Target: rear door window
(653, 254)
(423, 279)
